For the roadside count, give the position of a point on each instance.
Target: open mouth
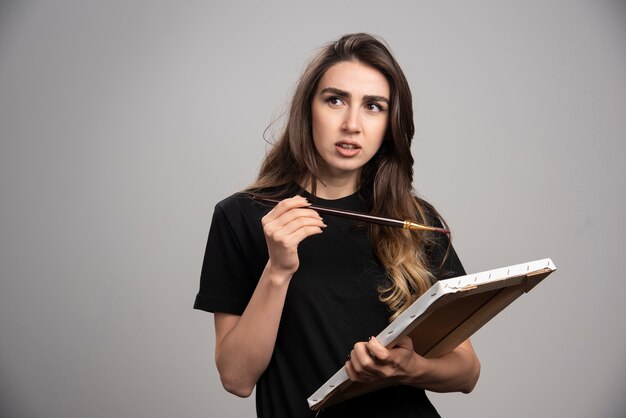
(348, 149)
(346, 146)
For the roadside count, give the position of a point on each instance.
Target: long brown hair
(386, 180)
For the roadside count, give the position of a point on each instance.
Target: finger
(377, 350)
(363, 360)
(405, 342)
(355, 372)
(390, 360)
(301, 234)
(357, 376)
(303, 216)
(294, 225)
(291, 215)
(284, 206)
(352, 374)
(290, 242)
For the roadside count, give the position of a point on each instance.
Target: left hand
(370, 361)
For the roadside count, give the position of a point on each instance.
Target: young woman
(294, 294)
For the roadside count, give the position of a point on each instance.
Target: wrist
(276, 275)
(417, 370)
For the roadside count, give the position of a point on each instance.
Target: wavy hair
(385, 181)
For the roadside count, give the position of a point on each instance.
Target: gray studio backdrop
(122, 123)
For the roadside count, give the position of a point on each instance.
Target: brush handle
(358, 216)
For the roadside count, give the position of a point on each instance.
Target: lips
(347, 149)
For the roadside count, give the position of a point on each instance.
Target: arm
(457, 371)
(244, 344)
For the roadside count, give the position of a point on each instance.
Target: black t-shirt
(332, 303)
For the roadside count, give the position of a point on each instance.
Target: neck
(334, 187)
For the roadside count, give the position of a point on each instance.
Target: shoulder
(243, 202)
(237, 222)
(240, 203)
(239, 211)
(239, 200)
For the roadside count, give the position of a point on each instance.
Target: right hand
(285, 226)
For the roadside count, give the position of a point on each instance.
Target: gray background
(122, 123)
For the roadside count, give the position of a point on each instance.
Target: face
(350, 113)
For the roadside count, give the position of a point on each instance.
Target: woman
(294, 294)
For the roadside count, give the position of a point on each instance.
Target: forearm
(245, 347)
(244, 344)
(457, 371)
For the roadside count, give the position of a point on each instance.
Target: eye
(374, 107)
(334, 100)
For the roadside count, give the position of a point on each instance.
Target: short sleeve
(230, 269)
(445, 262)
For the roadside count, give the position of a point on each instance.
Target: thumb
(405, 342)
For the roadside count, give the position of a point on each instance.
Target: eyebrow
(343, 93)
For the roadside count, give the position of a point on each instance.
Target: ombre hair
(385, 181)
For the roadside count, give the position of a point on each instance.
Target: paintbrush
(358, 216)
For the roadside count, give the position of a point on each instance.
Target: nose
(352, 120)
